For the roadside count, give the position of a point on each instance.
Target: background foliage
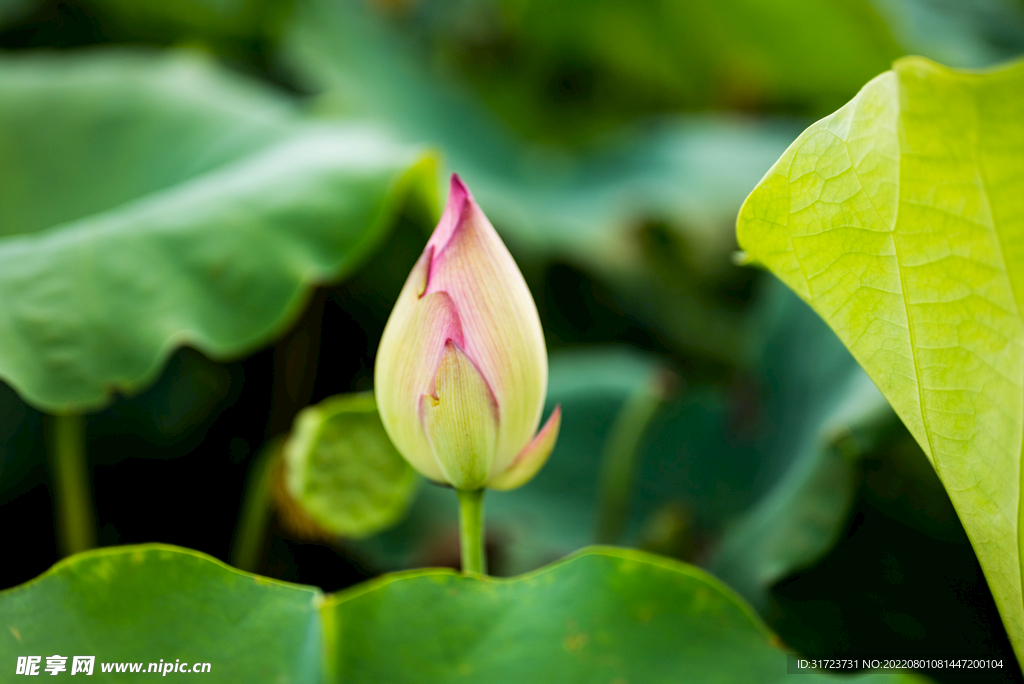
(611, 144)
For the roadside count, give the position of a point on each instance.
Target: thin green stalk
(471, 531)
(620, 452)
(76, 519)
(249, 544)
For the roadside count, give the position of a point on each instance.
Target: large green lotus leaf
(605, 615)
(148, 603)
(341, 468)
(900, 219)
(152, 201)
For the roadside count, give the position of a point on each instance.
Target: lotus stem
(75, 516)
(471, 531)
(249, 544)
(619, 460)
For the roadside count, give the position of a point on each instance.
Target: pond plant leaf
(343, 471)
(691, 172)
(150, 201)
(900, 220)
(152, 603)
(602, 614)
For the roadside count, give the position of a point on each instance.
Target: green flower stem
(248, 547)
(76, 519)
(471, 531)
(620, 450)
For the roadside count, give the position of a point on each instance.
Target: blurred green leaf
(691, 173)
(899, 219)
(588, 204)
(802, 516)
(819, 415)
(589, 64)
(193, 19)
(342, 469)
(12, 10)
(577, 69)
(21, 447)
(155, 602)
(714, 454)
(446, 72)
(153, 201)
(972, 34)
(190, 392)
(604, 615)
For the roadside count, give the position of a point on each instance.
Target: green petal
(461, 421)
(409, 351)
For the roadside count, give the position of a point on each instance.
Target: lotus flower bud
(461, 372)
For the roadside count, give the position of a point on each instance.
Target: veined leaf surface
(900, 219)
